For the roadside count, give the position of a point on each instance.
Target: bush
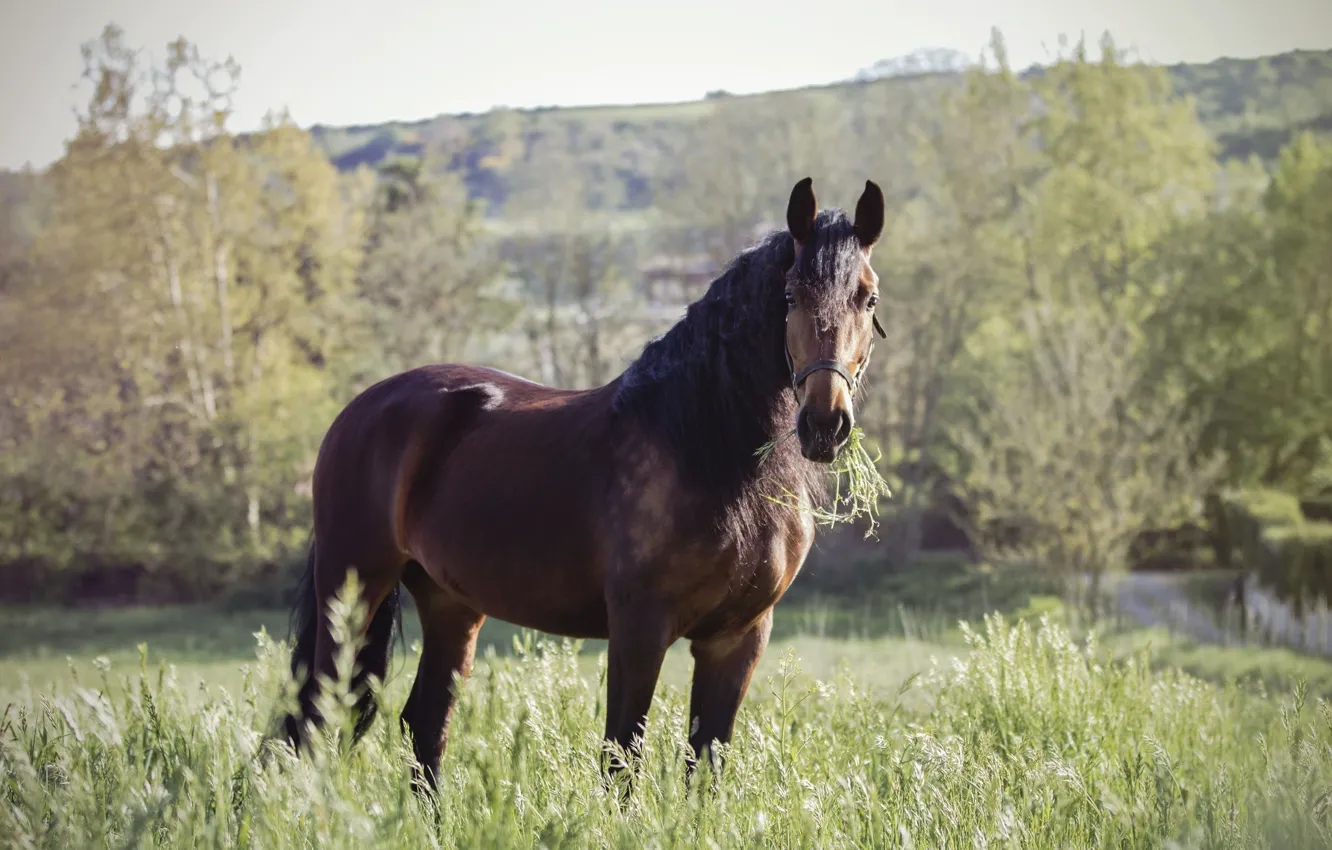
(938, 584)
(1174, 549)
(1289, 553)
(242, 582)
(1299, 563)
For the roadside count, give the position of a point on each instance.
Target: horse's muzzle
(822, 435)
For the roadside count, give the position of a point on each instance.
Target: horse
(636, 512)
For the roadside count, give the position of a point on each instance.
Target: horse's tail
(304, 630)
(372, 660)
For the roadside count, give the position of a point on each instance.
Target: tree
(1246, 330)
(950, 262)
(731, 179)
(1076, 435)
(1299, 299)
(574, 261)
(1128, 161)
(1067, 460)
(427, 278)
(209, 277)
(1060, 188)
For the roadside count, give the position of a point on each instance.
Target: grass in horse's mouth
(858, 486)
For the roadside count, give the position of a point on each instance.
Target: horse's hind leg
(448, 646)
(723, 667)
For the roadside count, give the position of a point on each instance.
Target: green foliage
(1066, 447)
(1029, 739)
(1289, 554)
(1029, 270)
(1128, 161)
(205, 280)
(184, 309)
(425, 285)
(1271, 670)
(1246, 328)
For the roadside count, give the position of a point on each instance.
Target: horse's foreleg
(638, 642)
(448, 646)
(723, 667)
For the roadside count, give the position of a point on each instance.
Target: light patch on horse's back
(510, 376)
(490, 396)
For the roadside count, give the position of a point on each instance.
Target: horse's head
(831, 292)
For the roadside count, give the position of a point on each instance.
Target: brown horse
(636, 511)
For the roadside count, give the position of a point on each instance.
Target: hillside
(1252, 106)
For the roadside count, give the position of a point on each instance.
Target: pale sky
(349, 62)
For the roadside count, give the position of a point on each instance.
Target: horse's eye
(790, 301)
(873, 301)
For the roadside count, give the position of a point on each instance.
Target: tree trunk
(201, 394)
(222, 282)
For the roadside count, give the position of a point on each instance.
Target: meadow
(1086, 278)
(1008, 732)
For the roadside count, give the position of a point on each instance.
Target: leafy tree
(1067, 460)
(1246, 330)
(204, 273)
(1071, 435)
(575, 264)
(427, 279)
(1127, 162)
(950, 262)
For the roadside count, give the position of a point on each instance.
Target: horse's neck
(716, 388)
(766, 414)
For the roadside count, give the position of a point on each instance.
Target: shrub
(1290, 554)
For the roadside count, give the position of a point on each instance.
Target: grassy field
(47, 650)
(1014, 735)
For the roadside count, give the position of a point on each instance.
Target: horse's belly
(526, 591)
(516, 538)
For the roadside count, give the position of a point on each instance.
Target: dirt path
(1155, 599)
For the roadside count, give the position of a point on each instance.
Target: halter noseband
(798, 378)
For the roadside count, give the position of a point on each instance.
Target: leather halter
(798, 378)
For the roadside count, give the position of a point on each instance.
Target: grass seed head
(857, 484)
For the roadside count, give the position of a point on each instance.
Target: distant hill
(1252, 106)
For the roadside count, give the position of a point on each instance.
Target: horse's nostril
(843, 427)
(803, 428)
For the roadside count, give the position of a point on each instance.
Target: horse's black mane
(715, 387)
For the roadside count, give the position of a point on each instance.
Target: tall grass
(1024, 741)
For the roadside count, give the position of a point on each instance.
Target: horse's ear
(801, 210)
(869, 215)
